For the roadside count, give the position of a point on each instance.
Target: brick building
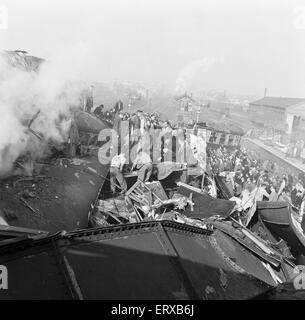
(282, 114)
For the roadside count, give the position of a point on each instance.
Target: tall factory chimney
(265, 92)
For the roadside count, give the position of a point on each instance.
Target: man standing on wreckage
(116, 173)
(144, 165)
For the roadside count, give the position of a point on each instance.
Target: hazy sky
(240, 46)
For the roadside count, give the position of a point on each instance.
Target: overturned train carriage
(148, 260)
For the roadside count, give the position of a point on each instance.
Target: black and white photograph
(152, 151)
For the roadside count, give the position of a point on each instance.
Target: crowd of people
(138, 119)
(245, 171)
(296, 150)
(247, 174)
(168, 143)
(141, 121)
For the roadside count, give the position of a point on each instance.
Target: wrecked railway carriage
(175, 240)
(196, 247)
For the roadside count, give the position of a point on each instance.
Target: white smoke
(52, 91)
(188, 73)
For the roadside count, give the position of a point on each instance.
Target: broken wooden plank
(189, 187)
(28, 205)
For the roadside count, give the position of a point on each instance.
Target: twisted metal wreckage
(162, 240)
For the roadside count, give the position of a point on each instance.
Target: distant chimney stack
(265, 92)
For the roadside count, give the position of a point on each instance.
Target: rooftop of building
(279, 102)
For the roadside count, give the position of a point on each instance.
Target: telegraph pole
(198, 113)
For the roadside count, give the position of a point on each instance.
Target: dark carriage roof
(148, 260)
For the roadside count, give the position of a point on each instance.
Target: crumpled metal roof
(148, 260)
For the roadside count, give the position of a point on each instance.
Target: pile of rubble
(195, 207)
(143, 202)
